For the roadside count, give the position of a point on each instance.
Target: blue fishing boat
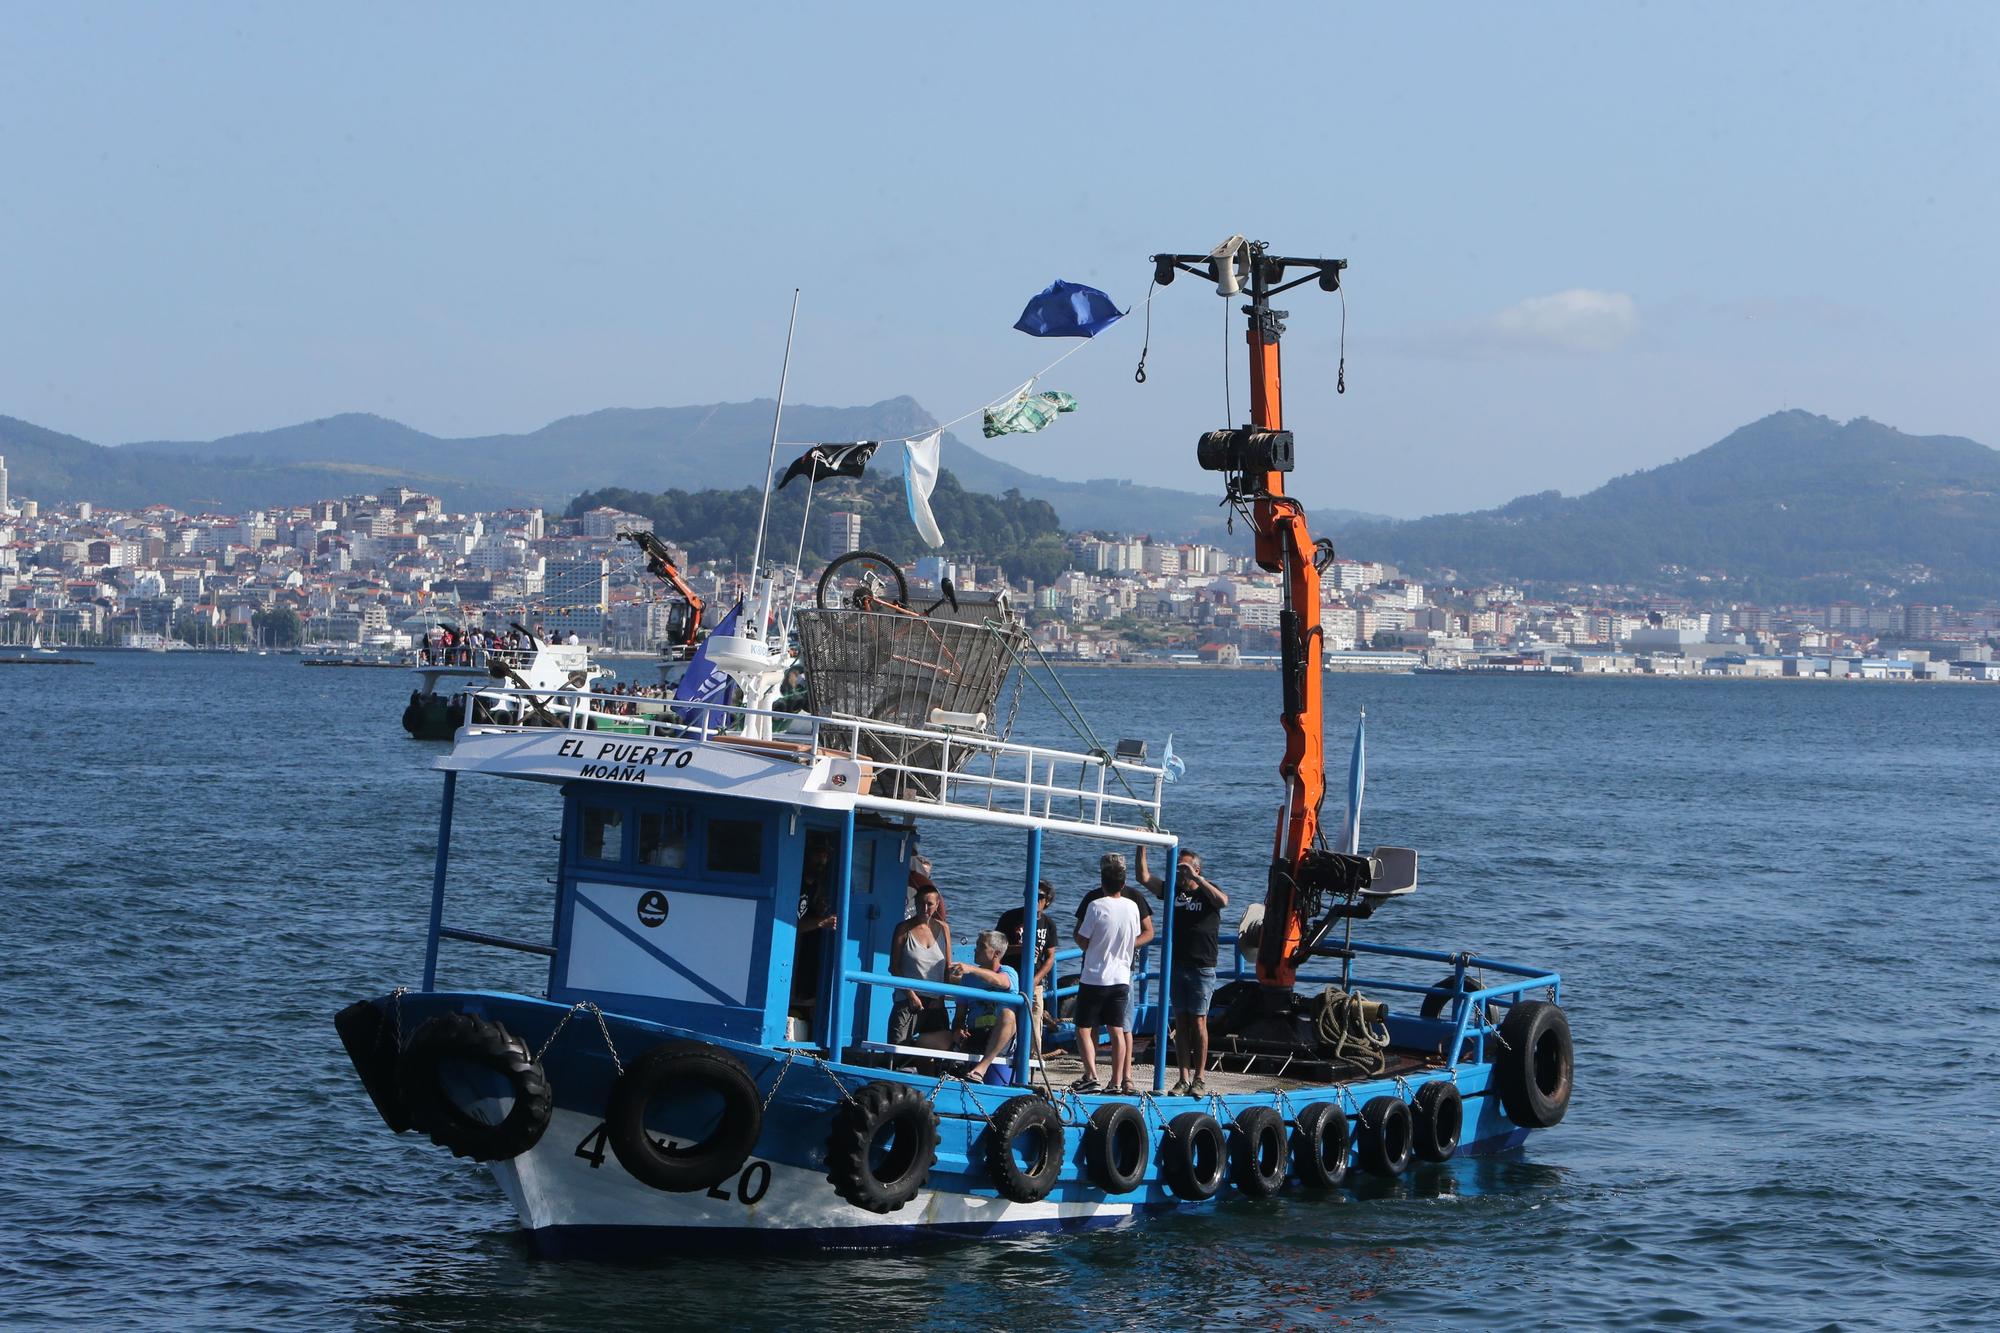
(717, 1058)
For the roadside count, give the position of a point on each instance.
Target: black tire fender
(370, 1040)
(1446, 991)
(1032, 1118)
(1536, 1064)
(1320, 1144)
(1382, 1135)
(905, 1164)
(1193, 1156)
(1257, 1152)
(1116, 1147)
(684, 1066)
(469, 1039)
(1437, 1115)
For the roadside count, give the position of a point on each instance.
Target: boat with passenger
(525, 678)
(724, 1053)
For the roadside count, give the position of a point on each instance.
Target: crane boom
(1257, 457)
(661, 565)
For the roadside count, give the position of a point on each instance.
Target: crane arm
(661, 565)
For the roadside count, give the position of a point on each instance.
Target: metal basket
(893, 667)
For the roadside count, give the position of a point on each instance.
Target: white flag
(920, 474)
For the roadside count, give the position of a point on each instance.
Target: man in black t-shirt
(1013, 925)
(1197, 908)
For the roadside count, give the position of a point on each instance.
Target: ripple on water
(1784, 1028)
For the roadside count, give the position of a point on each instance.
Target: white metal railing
(972, 771)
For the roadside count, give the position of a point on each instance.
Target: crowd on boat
(1110, 925)
(449, 645)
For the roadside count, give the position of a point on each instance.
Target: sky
(1584, 239)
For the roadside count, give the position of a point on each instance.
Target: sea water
(1772, 903)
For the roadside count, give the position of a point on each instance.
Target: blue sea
(1772, 903)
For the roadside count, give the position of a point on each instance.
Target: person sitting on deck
(919, 950)
(986, 1027)
(1197, 907)
(1109, 935)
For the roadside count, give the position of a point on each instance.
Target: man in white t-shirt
(1108, 934)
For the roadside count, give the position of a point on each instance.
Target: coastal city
(372, 575)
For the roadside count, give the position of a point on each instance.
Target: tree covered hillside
(1793, 506)
(1021, 535)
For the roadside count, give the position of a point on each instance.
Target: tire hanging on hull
(444, 1046)
(1034, 1119)
(684, 1067)
(1320, 1145)
(882, 1182)
(1535, 1066)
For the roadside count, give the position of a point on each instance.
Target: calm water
(1773, 905)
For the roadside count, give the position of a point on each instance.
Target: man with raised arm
(1197, 908)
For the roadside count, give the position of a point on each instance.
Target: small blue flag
(1172, 764)
(1068, 310)
(704, 683)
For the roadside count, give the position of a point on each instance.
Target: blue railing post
(1163, 1021)
(1027, 1035)
(836, 1004)
(437, 879)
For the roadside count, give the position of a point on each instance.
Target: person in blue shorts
(1197, 908)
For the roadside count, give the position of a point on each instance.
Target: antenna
(771, 465)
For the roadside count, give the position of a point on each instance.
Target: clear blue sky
(1584, 239)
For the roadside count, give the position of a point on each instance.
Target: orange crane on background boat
(661, 565)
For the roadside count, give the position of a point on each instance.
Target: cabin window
(736, 846)
(603, 833)
(663, 838)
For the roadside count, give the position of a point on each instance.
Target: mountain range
(712, 446)
(1792, 507)
(1795, 506)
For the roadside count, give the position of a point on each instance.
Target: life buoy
(1257, 1152)
(1116, 1147)
(1319, 1146)
(1535, 1064)
(882, 1146)
(1382, 1137)
(1192, 1155)
(714, 1117)
(1437, 1115)
(1024, 1152)
(457, 1060)
(371, 1044)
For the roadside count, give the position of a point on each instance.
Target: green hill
(1795, 506)
(1020, 534)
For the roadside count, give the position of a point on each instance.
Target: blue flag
(1068, 310)
(705, 683)
(1172, 765)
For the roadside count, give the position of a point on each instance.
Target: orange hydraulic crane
(1304, 874)
(661, 565)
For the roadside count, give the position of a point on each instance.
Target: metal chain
(603, 1028)
(396, 1005)
(783, 1069)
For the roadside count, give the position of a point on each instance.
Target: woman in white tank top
(920, 950)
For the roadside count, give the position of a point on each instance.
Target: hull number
(751, 1186)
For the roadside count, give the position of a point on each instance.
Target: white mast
(771, 465)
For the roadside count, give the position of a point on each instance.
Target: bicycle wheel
(860, 577)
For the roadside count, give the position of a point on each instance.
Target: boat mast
(1257, 457)
(771, 465)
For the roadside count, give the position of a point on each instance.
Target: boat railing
(1474, 1020)
(947, 767)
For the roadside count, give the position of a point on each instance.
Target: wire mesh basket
(895, 667)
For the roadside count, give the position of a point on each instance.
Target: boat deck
(1060, 1068)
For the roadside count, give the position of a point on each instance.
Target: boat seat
(921, 1053)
